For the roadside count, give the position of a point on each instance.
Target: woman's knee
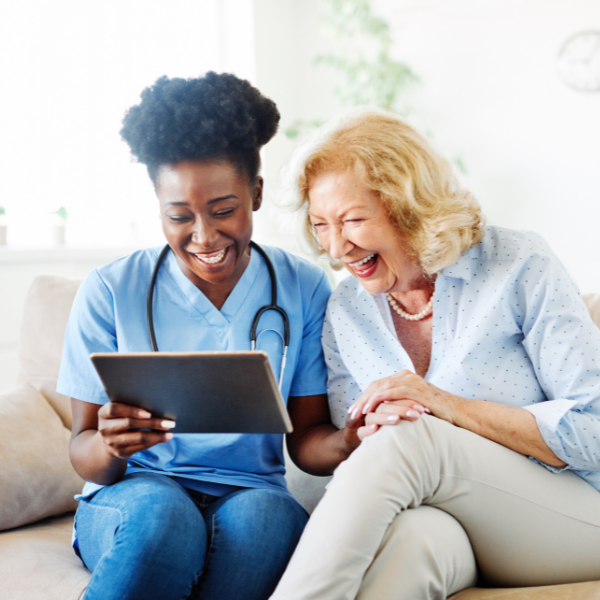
(424, 438)
(153, 510)
(271, 518)
(424, 553)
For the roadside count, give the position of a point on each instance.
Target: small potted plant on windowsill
(3, 227)
(60, 225)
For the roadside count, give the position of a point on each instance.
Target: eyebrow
(341, 215)
(213, 201)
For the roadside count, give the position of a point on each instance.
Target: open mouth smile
(365, 267)
(212, 258)
(359, 263)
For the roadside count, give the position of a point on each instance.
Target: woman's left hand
(407, 386)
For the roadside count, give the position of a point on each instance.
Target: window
(68, 71)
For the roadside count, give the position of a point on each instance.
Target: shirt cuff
(548, 415)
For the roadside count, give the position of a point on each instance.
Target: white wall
(67, 64)
(490, 94)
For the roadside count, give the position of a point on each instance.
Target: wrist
(111, 459)
(457, 413)
(347, 446)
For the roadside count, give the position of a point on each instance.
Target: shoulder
(139, 264)
(503, 243)
(124, 274)
(521, 258)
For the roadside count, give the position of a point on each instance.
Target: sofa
(37, 482)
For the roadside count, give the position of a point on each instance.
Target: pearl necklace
(408, 316)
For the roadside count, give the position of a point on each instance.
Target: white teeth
(213, 259)
(358, 263)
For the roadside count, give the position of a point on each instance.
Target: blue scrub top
(109, 315)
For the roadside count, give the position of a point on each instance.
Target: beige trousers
(418, 505)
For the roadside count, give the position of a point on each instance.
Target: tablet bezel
(132, 378)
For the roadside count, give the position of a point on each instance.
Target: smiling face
(206, 213)
(353, 227)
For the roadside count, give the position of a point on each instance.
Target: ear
(257, 193)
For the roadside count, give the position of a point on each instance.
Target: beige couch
(37, 482)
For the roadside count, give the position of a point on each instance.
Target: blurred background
(508, 90)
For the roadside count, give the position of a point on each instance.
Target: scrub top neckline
(202, 304)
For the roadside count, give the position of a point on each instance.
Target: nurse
(192, 516)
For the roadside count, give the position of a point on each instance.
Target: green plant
(62, 213)
(369, 75)
(2, 210)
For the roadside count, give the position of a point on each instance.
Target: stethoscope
(285, 338)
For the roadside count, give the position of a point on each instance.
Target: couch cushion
(308, 489)
(573, 591)
(36, 478)
(38, 563)
(45, 317)
(592, 301)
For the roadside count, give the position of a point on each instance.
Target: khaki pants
(418, 507)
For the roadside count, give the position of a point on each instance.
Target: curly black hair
(218, 116)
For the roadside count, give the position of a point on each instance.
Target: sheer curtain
(68, 71)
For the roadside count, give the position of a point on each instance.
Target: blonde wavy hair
(437, 218)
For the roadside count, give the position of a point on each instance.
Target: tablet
(203, 392)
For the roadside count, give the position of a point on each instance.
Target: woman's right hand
(351, 431)
(389, 413)
(120, 427)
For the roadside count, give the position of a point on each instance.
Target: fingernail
(351, 409)
(354, 414)
(373, 427)
(144, 415)
(167, 424)
(419, 408)
(393, 418)
(168, 436)
(413, 414)
(427, 411)
(365, 409)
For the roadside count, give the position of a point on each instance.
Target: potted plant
(60, 225)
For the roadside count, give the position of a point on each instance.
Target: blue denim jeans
(146, 537)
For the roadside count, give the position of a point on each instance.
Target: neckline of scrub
(202, 304)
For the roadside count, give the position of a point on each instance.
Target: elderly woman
(471, 357)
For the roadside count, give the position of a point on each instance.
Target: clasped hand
(402, 396)
(126, 429)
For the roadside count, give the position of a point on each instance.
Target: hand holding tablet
(203, 392)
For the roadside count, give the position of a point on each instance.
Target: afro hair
(218, 116)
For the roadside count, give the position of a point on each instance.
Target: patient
(476, 363)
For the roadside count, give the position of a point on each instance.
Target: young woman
(205, 516)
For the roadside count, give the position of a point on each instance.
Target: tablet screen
(203, 392)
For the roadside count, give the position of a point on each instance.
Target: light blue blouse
(509, 326)
(109, 315)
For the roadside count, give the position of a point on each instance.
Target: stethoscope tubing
(255, 322)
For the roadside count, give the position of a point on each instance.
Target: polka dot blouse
(509, 326)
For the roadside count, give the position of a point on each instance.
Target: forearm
(319, 450)
(92, 461)
(511, 426)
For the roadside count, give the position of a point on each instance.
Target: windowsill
(15, 255)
